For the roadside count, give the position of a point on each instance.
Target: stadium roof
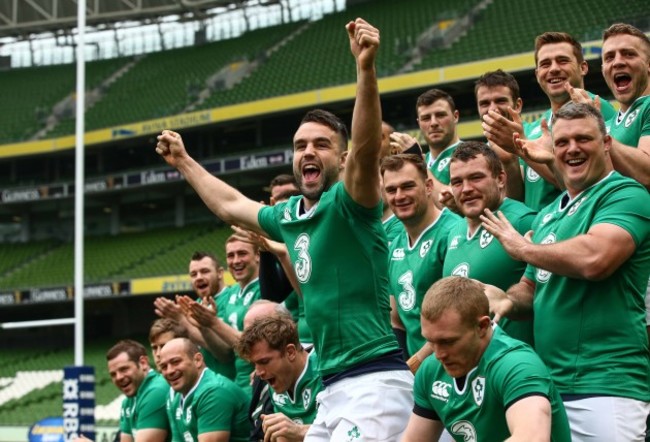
(19, 18)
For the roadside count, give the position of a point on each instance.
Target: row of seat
(111, 258)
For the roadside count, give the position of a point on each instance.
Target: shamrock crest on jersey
(443, 163)
(478, 390)
(248, 297)
(576, 205)
(485, 239)
(424, 248)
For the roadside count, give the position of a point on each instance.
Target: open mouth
(310, 173)
(556, 80)
(622, 81)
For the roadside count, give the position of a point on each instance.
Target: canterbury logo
(440, 390)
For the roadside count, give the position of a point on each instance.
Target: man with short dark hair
(480, 384)
(437, 119)
(225, 316)
(478, 183)
(626, 69)
(416, 256)
(343, 281)
(588, 266)
(143, 417)
(498, 91)
(207, 279)
(560, 71)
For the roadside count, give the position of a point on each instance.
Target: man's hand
(539, 150)
(399, 142)
(278, 427)
(581, 96)
(166, 308)
(511, 240)
(170, 146)
(499, 130)
(446, 199)
(201, 315)
(364, 41)
(500, 304)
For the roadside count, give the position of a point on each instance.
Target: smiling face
(206, 279)
(243, 261)
(456, 344)
(626, 68)
(497, 98)
(438, 124)
(556, 66)
(181, 370)
(474, 186)
(275, 367)
(126, 374)
(581, 153)
(407, 193)
(318, 159)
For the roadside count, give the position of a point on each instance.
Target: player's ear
(484, 324)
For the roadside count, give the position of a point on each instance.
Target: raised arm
(223, 200)
(361, 178)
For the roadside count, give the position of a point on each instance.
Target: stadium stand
(36, 383)
(111, 258)
(510, 26)
(284, 59)
(33, 93)
(298, 66)
(167, 82)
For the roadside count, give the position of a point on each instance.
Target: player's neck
(473, 225)
(437, 150)
(415, 227)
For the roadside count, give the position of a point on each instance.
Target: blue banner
(78, 402)
(49, 429)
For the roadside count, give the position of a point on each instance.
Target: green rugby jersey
(481, 256)
(413, 269)
(507, 372)
(215, 403)
(339, 250)
(592, 334)
(147, 408)
(300, 406)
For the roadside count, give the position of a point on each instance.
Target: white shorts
(607, 419)
(370, 407)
